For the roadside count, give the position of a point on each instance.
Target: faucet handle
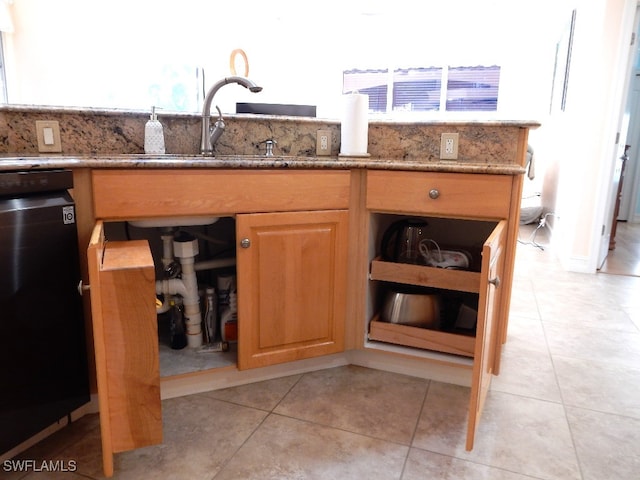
(215, 132)
(269, 144)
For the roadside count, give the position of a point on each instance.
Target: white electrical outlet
(449, 146)
(323, 142)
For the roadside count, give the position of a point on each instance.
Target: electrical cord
(542, 222)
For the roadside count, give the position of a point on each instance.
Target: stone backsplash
(117, 132)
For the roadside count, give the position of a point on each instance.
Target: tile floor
(566, 406)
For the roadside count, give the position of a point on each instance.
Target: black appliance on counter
(43, 353)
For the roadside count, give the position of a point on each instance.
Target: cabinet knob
(434, 193)
(83, 288)
(495, 281)
(245, 243)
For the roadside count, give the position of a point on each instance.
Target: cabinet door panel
(122, 277)
(291, 286)
(486, 330)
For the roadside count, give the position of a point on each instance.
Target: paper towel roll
(354, 129)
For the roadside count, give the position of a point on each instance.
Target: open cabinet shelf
(431, 339)
(416, 337)
(459, 280)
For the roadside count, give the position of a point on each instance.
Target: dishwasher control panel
(35, 181)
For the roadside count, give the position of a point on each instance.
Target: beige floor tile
(422, 465)
(580, 314)
(591, 343)
(55, 448)
(634, 315)
(573, 304)
(286, 448)
(200, 435)
(518, 434)
(523, 301)
(598, 385)
(41, 473)
(527, 372)
(525, 333)
(262, 395)
(608, 446)
(359, 400)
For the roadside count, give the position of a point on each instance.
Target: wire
(542, 222)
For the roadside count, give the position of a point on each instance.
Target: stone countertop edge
(43, 162)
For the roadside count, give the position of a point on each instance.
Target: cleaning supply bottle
(229, 319)
(176, 325)
(228, 306)
(153, 135)
(211, 315)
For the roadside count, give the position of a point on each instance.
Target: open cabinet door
(122, 278)
(487, 326)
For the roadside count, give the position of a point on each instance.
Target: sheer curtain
(6, 19)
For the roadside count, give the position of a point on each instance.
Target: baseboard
(205, 381)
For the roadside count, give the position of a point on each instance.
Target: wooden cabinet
(125, 339)
(291, 279)
(291, 271)
(465, 210)
(294, 262)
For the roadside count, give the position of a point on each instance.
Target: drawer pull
(245, 243)
(434, 193)
(495, 281)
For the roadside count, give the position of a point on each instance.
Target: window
(417, 89)
(3, 77)
(420, 89)
(371, 82)
(473, 89)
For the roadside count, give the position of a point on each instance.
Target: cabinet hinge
(633, 38)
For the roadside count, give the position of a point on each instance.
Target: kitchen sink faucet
(211, 135)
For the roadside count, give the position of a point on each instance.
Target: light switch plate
(48, 135)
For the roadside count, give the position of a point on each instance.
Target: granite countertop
(43, 161)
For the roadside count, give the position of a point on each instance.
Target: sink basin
(173, 221)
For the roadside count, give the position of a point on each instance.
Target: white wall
(581, 140)
(105, 53)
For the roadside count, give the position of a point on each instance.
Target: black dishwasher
(43, 355)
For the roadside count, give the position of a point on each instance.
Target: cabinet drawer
(440, 194)
(131, 194)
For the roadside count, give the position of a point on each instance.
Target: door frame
(631, 187)
(609, 186)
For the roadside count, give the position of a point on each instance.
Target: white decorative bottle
(153, 135)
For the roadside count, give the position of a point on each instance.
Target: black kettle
(401, 241)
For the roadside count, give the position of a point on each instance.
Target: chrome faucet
(211, 135)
